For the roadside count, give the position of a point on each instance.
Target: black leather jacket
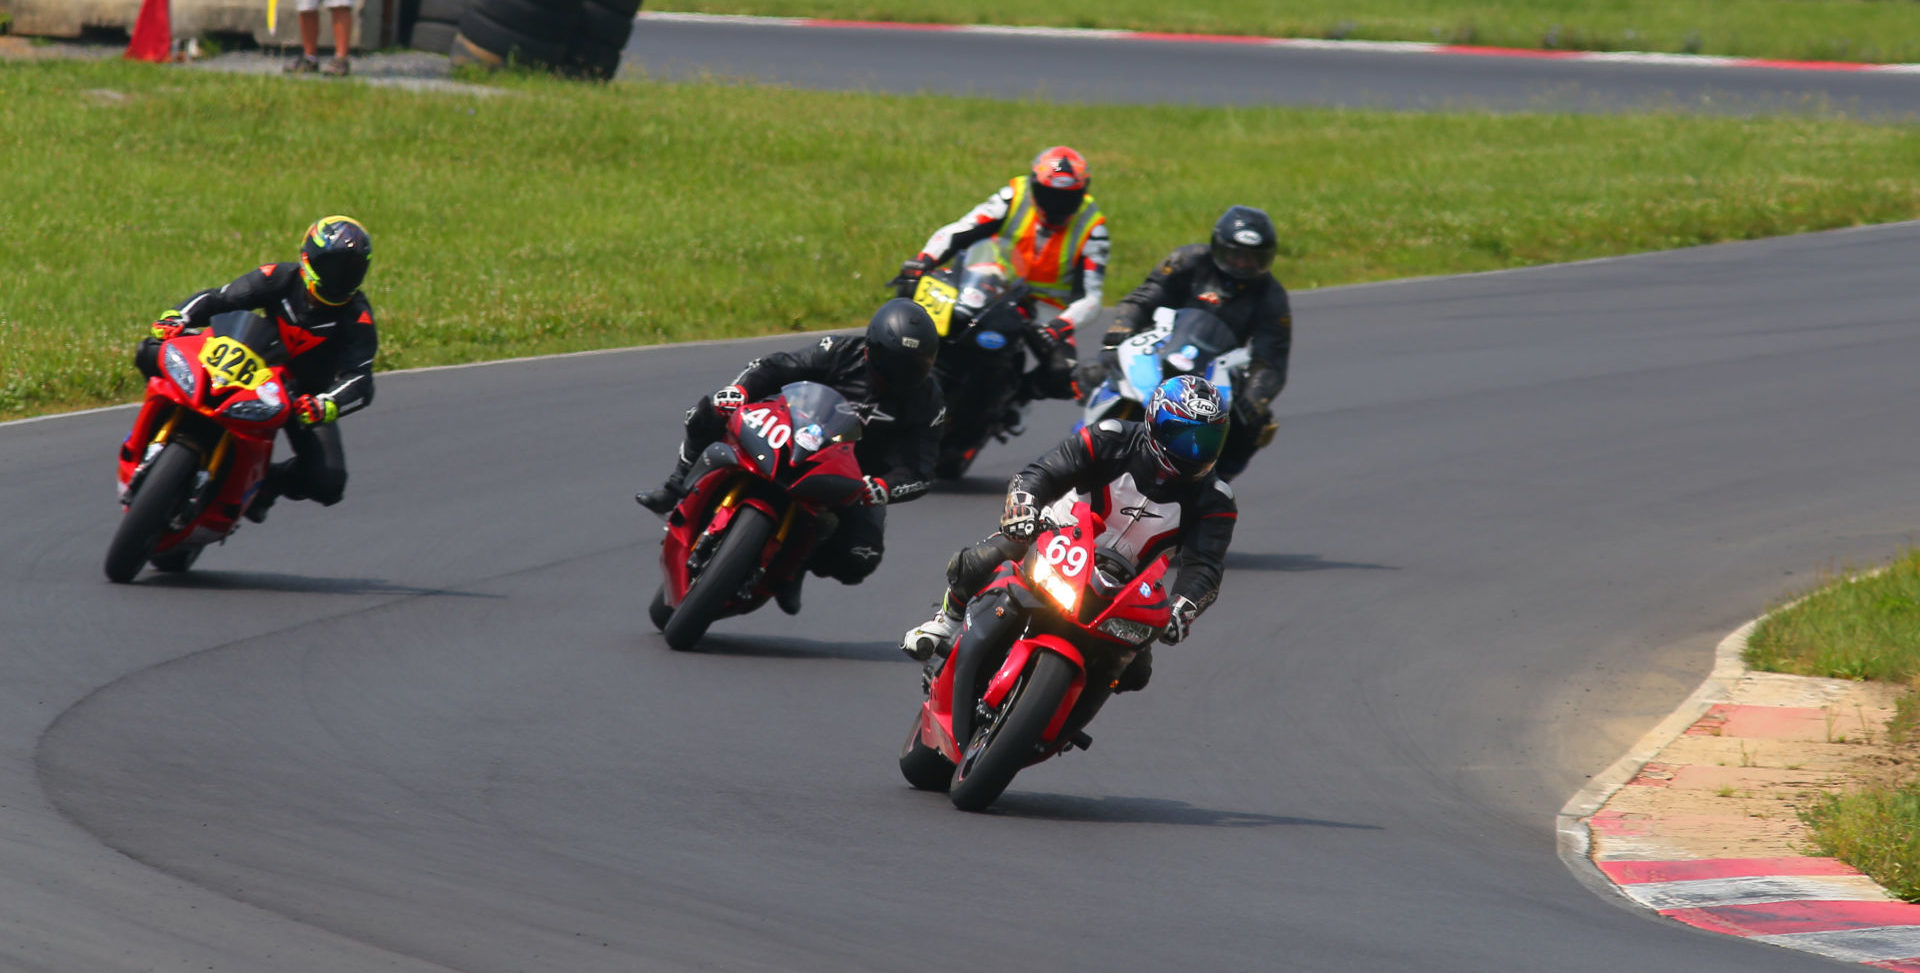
(1099, 456)
(332, 348)
(901, 439)
(1256, 310)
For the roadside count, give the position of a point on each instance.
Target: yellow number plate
(937, 297)
(228, 362)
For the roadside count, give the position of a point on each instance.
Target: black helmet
(1244, 243)
(1059, 179)
(901, 345)
(333, 259)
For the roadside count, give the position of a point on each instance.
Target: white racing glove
(1184, 612)
(1021, 519)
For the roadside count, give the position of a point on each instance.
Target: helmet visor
(1188, 449)
(894, 369)
(334, 276)
(1058, 204)
(1242, 263)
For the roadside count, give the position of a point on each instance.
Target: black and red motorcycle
(757, 503)
(1038, 655)
(199, 448)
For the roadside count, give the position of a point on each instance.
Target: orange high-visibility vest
(1049, 267)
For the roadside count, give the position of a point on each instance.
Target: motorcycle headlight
(1138, 633)
(1048, 580)
(181, 370)
(255, 410)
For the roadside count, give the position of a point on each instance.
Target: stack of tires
(436, 24)
(580, 37)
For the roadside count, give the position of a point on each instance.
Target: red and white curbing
(1301, 43)
(1816, 905)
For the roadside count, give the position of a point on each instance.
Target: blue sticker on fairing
(990, 340)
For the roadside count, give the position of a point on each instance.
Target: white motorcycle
(1193, 341)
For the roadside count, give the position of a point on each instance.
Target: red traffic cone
(152, 33)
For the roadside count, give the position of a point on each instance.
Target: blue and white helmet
(1186, 426)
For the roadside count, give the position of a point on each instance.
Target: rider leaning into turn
(1058, 232)
(327, 327)
(1230, 276)
(1154, 483)
(887, 375)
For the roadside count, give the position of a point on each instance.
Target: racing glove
(916, 268)
(169, 325)
(1057, 334)
(1021, 519)
(1184, 612)
(876, 495)
(729, 399)
(313, 410)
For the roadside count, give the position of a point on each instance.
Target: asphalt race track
(1099, 70)
(1506, 519)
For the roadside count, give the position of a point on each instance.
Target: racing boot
(670, 493)
(787, 596)
(934, 635)
(1137, 673)
(269, 491)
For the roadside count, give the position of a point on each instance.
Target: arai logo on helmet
(1199, 404)
(1062, 180)
(1246, 237)
(910, 342)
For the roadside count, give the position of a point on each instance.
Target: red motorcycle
(1036, 658)
(757, 503)
(200, 445)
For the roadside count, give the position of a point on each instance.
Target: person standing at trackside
(327, 327)
(1057, 230)
(887, 375)
(1231, 276)
(308, 60)
(1154, 484)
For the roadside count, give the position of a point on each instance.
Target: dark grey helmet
(1244, 243)
(901, 346)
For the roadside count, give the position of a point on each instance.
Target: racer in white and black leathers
(326, 325)
(898, 443)
(1147, 512)
(1231, 277)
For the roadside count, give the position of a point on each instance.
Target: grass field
(1861, 627)
(1844, 30)
(561, 217)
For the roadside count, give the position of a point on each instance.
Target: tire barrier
(581, 38)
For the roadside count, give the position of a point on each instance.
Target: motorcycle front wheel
(736, 558)
(1010, 741)
(168, 484)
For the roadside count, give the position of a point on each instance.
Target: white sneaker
(933, 635)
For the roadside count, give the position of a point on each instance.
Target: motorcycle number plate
(937, 296)
(228, 362)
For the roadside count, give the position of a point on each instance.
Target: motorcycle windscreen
(1197, 338)
(821, 417)
(986, 274)
(256, 332)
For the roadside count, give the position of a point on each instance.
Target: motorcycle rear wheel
(660, 611)
(168, 484)
(1010, 742)
(924, 767)
(738, 553)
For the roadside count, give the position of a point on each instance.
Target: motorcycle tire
(177, 560)
(1009, 742)
(924, 767)
(739, 552)
(660, 611)
(443, 11)
(167, 486)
